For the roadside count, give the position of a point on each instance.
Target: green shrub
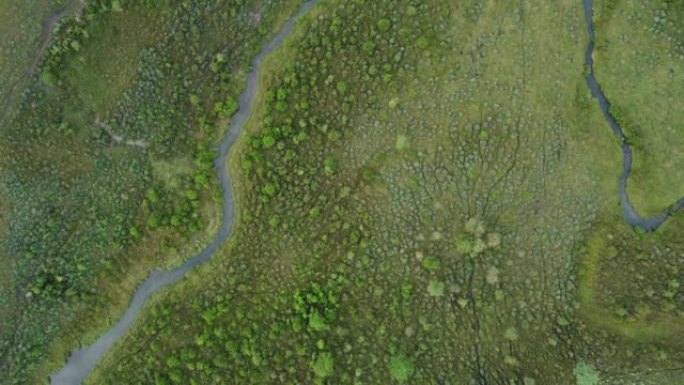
(400, 368)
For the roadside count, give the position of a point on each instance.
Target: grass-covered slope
(106, 159)
(427, 195)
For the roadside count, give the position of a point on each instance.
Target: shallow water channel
(631, 216)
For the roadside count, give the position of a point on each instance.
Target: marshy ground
(427, 194)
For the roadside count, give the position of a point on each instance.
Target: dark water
(631, 216)
(82, 362)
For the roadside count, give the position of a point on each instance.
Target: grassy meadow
(640, 65)
(428, 195)
(106, 158)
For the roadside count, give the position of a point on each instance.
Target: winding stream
(631, 216)
(82, 362)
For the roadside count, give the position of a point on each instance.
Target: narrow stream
(631, 216)
(82, 362)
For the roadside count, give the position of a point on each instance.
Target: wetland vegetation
(640, 61)
(107, 161)
(427, 193)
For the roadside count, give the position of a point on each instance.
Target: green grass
(21, 25)
(640, 65)
(427, 194)
(630, 283)
(86, 218)
(107, 61)
(437, 208)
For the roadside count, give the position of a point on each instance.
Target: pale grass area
(107, 64)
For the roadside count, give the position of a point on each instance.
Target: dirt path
(119, 139)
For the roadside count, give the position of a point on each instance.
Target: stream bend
(629, 212)
(82, 362)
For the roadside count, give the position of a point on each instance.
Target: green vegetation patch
(106, 161)
(427, 194)
(640, 64)
(108, 50)
(417, 185)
